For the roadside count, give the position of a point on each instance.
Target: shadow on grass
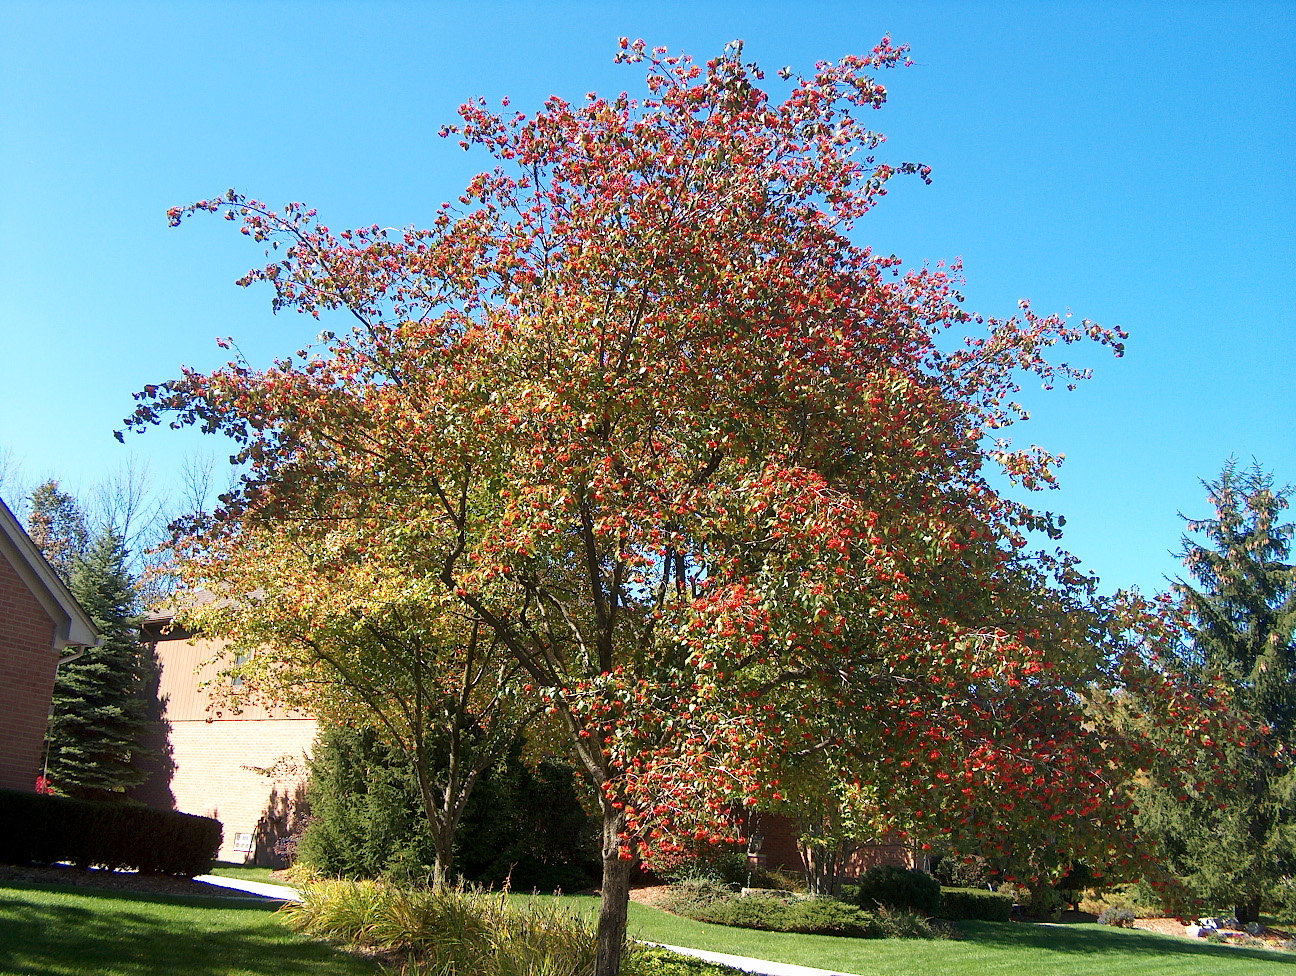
(218, 898)
(48, 932)
(1099, 939)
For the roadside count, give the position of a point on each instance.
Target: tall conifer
(1231, 845)
(99, 719)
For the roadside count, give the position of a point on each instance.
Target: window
(236, 681)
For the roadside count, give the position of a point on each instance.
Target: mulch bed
(116, 880)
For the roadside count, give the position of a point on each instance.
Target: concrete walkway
(751, 965)
(762, 966)
(281, 892)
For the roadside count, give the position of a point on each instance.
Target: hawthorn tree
(1232, 841)
(698, 462)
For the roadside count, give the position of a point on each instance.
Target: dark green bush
(906, 890)
(974, 904)
(827, 916)
(810, 916)
(955, 871)
(523, 822)
(43, 829)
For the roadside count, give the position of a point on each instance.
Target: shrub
(708, 901)
(690, 897)
(906, 890)
(974, 904)
(448, 930)
(521, 822)
(811, 916)
(654, 961)
(828, 916)
(1130, 897)
(724, 863)
(779, 879)
(953, 871)
(44, 829)
(1120, 917)
(892, 924)
(1044, 901)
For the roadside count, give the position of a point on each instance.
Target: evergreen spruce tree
(57, 525)
(1231, 845)
(99, 717)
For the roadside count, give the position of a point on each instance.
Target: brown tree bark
(615, 895)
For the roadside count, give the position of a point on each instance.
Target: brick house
(41, 626)
(248, 770)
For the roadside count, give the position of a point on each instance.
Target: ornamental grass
(447, 931)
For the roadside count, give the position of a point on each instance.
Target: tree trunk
(1248, 911)
(823, 862)
(614, 896)
(443, 856)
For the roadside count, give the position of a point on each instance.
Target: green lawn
(48, 931)
(244, 872)
(989, 949)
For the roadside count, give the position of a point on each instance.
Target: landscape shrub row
(714, 903)
(43, 829)
(867, 909)
(974, 905)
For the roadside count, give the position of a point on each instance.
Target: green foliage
(723, 863)
(894, 924)
(368, 820)
(99, 717)
(953, 871)
(43, 829)
(1231, 840)
(1138, 899)
(974, 904)
(810, 916)
(365, 808)
(654, 961)
(908, 890)
(446, 930)
(525, 822)
(57, 525)
(779, 879)
(1119, 917)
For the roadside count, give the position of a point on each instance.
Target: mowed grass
(243, 872)
(49, 931)
(988, 949)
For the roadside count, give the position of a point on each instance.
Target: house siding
(246, 769)
(26, 679)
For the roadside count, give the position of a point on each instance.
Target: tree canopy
(716, 477)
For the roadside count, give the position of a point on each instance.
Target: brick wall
(779, 845)
(245, 768)
(27, 659)
(216, 775)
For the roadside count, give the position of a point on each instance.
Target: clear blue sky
(1132, 162)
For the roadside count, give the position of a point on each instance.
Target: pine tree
(57, 525)
(1231, 845)
(99, 718)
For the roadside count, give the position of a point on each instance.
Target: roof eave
(72, 625)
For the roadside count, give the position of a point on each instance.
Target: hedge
(901, 889)
(974, 904)
(42, 829)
